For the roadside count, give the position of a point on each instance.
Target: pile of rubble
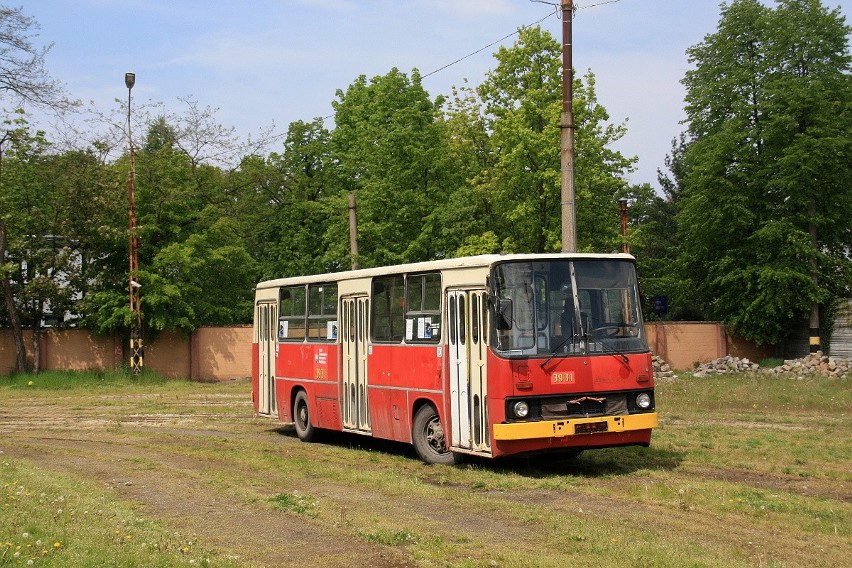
(724, 366)
(815, 363)
(662, 370)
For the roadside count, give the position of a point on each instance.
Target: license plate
(590, 427)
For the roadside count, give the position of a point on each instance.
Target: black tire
(302, 418)
(427, 434)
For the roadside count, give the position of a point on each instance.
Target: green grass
(743, 471)
(65, 381)
(58, 520)
(296, 503)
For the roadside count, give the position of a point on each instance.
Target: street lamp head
(130, 80)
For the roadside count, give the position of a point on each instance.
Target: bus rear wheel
(427, 434)
(302, 418)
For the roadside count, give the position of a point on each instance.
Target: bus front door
(267, 324)
(353, 328)
(468, 346)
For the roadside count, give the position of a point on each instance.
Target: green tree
(465, 215)
(23, 80)
(767, 199)
(57, 208)
(194, 262)
(290, 199)
(390, 150)
(26, 211)
(655, 243)
(522, 103)
(195, 268)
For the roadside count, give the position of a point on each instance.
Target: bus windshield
(566, 307)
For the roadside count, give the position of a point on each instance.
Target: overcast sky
(282, 60)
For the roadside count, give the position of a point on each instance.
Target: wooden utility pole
(569, 219)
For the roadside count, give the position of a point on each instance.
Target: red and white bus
(489, 355)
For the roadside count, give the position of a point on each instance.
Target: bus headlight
(521, 409)
(643, 401)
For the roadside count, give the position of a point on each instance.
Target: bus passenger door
(468, 345)
(266, 317)
(354, 328)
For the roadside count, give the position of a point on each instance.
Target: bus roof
(431, 265)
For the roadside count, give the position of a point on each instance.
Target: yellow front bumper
(565, 427)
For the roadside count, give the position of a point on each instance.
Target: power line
(507, 36)
(481, 49)
(575, 7)
(555, 11)
(460, 59)
(598, 4)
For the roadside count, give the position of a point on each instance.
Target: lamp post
(136, 350)
(625, 247)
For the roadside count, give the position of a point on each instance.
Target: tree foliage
(522, 100)
(751, 227)
(389, 150)
(764, 216)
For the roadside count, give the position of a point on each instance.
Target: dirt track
(107, 441)
(204, 465)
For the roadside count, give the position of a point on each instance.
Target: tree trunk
(38, 331)
(9, 300)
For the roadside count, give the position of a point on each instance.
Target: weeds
(297, 503)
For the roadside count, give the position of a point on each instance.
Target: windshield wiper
(612, 350)
(558, 348)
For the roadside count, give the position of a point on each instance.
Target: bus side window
(322, 312)
(423, 315)
(291, 314)
(388, 299)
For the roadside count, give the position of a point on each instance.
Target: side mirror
(504, 309)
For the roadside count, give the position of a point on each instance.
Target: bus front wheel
(302, 418)
(427, 433)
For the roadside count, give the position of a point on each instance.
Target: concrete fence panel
(224, 353)
(79, 350)
(169, 355)
(221, 353)
(683, 344)
(8, 357)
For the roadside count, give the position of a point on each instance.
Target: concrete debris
(813, 364)
(662, 370)
(725, 366)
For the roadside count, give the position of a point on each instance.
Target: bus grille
(583, 405)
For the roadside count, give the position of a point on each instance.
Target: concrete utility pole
(625, 247)
(569, 219)
(353, 232)
(814, 332)
(136, 350)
